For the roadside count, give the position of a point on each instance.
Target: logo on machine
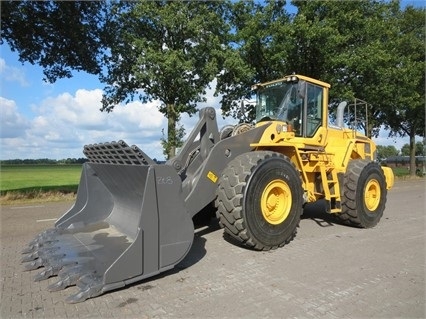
(167, 180)
(212, 176)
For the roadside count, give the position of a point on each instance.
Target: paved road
(328, 271)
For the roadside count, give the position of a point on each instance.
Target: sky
(55, 121)
(44, 120)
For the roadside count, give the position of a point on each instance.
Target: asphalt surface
(328, 271)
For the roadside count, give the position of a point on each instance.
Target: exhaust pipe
(340, 113)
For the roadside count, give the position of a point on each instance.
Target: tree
(418, 150)
(371, 50)
(152, 50)
(405, 111)
(405, 150)
(171, 50)
(384, 152)
(168, 51)
(256, 50)
(60, 36)
(346, 44)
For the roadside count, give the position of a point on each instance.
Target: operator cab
(293, 100)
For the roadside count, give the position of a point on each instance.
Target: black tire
(250, 181)
(364, 194)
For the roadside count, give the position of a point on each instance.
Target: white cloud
(63, 124)
(189, 122)
(12, 74)
(12, 124)
(143, 116)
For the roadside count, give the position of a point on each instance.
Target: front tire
(364, 194)
(259, 200)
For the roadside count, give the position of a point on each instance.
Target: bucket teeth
(30, 249)
(36, 245)
(51, 251)
(30, 257)
(43, 251)
(46, 273)
(129, 222)
(43, 240)
(60, 285)
(34, 264)
(78, 297)
(90, 286)
(45, 236)
(64, 282)
(71, 273)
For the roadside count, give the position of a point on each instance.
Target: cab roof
(298, 76)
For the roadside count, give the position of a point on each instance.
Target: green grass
(404, 172)
(400, 171)
(39, 178)
(35, 183)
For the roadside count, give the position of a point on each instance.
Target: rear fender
(390, 178)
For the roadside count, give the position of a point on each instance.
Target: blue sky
(43, 120)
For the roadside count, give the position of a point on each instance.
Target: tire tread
(229, 200)
(351, 212)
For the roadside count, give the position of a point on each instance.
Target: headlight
(282, 128)
(292, 78)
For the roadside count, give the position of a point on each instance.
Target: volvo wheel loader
(132, 218)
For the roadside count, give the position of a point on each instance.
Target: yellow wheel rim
(276, 202)
(372, 195)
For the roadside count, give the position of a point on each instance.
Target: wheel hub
(276, 202)
(372, 195)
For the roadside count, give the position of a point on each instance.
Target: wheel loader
(133, 218)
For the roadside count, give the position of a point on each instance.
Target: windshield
(279, 101)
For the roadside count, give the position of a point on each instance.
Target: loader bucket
(129, 222)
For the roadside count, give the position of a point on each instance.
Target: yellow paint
(372, 194)
(321, 159)
(300, 77)
(276, 202)
(390, 178)
(212, 176)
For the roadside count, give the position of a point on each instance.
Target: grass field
(31, 181)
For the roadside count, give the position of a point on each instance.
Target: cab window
(313, 109)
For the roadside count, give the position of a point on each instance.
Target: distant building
(404, 161)
(397, 161)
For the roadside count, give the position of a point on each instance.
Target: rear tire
(364, 194)
(259, 200)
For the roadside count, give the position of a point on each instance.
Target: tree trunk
(171, 131)
(412, 154)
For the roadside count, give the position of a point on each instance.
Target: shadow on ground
(206, 222)
(317, 212)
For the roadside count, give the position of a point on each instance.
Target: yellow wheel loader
(132, 218)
